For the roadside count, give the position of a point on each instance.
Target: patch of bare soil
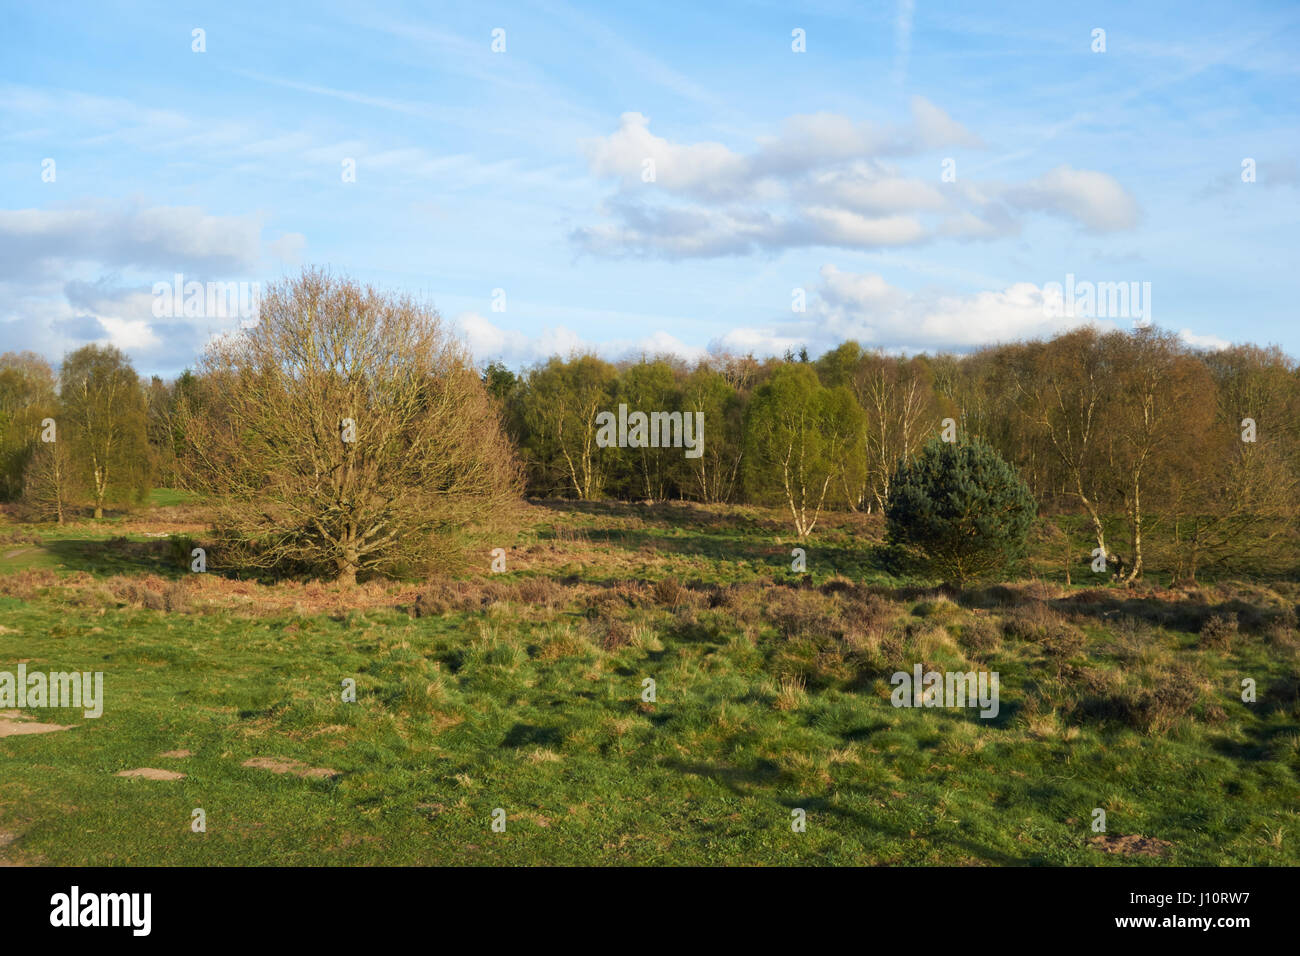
(151, 773)
(295, 767)
(14, 723)
(1130, 845)
(176, 753)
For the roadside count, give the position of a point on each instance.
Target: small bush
(1147, 710)
(563, 641)
(742, 602)
(1030, 622)
(432, 602)
(981, 636)
(146, 592)
(941, 608)
(1219, 631)
(800, 614)
(837, 585)
(1063, 642)
(866, 611)
(1282, 638)
(542, 592)
(176, 597)
(668, 592)
(1160, 709)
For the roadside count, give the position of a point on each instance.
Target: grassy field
(523, 691)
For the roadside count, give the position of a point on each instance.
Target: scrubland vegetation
(1112, 530)
(524, 691)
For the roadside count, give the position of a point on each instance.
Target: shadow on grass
(673, 514)
(532, 735)
(823, 559)
(116, 556)
(746, 782)
(1111, 605)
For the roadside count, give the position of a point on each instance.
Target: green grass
(519, 705)
(170, 497)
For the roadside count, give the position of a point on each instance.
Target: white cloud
(288, 248)
(857, 289)
(935, 129)
(129, 335)
(488, 342)
(869, 188)
(822, 181)
(1211, 342)
(812, 140)
(44, 241)
(1091, 198)
(866, 308)
(706, 169)
(763, 341)
(843, 227)
(84, 273)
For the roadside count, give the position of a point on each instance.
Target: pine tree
(964, 508)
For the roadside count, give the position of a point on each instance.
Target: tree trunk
(1135, 571)
(1097, 529)
(349, 556)
(101, 488)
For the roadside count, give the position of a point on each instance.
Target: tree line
(349, 428)
(1133, 431)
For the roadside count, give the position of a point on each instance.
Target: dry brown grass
(26, 584)
(791, 693)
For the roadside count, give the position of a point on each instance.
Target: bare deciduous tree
(344, 432)
(1063, 389)
(1162, 409)
(48, 482)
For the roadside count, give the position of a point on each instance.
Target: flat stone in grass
(151, 773)
(295, 767)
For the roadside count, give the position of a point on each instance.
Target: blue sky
(774, 170)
